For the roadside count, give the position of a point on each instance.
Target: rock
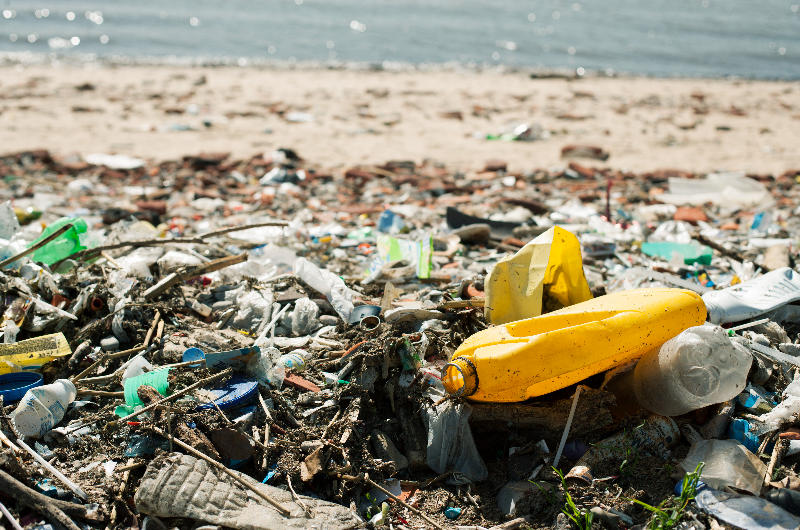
(387, 451)
(495, 165)
(776, 256)
(509, 495)
(612, 518)
(474, 233)
(110, 344)
(690, 214)
(584, 151)
(328, 320)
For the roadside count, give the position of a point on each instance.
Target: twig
(100, 393)
(109, 259)
(35, 247)
(297, 499)
(74, 488)
(267, 421)
(230, 229)
(11, 520)
(176, 395)
(130, 465)
(152, 329)
(91, 252)
(778, 451)
(190, 272)
(169, 424)
(120, 492)
(8, 443)
(219, 410)
(391, 495)
(52, 508)
(221, 467)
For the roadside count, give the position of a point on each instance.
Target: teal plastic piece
(690, 253)
(64, 245)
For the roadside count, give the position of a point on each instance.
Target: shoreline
(344, 117)
(28, 59)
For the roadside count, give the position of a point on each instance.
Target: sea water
(688, 38)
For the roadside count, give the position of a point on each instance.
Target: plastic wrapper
(546, 273)
(31, 354)
(450, 443)
(328, 284)
(727, 463)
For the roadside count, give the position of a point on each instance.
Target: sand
(366, 117)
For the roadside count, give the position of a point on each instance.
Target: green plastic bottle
(64, 245)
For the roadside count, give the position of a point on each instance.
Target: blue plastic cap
(195, 354)
(14, 385)
(236, 392)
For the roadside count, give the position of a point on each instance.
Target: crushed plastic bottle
(653, 437)
(304, 317)
(328, 284)
(63, 246)
(727, 463)
(43, 407)
(753, 298)
(699, 367)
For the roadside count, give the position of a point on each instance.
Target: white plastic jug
(752, 298)
(699, 367)
(43, 407)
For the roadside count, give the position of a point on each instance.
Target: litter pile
(266, 344)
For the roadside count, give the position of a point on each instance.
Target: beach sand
(366, 117)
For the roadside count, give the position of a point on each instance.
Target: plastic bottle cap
(459, 377)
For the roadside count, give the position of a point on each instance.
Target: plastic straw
(749, 324)
(563, 441)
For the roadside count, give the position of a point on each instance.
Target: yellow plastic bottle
(535, 356)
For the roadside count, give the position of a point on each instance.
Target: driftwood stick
(200, 238)
(46, 506)
(391, 495)
(152, 329)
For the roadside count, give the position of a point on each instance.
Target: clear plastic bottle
(699, 367)
(754, 297)
(43, 407)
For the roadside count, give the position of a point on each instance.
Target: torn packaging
(178, 485)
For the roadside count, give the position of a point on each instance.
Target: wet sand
(344, 117)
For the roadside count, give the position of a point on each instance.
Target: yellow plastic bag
(547, 271)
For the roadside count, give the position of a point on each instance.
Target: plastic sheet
(450, 443)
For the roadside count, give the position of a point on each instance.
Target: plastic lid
(14, 385)
(237, 391)
(195, 354)
(158, 379)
